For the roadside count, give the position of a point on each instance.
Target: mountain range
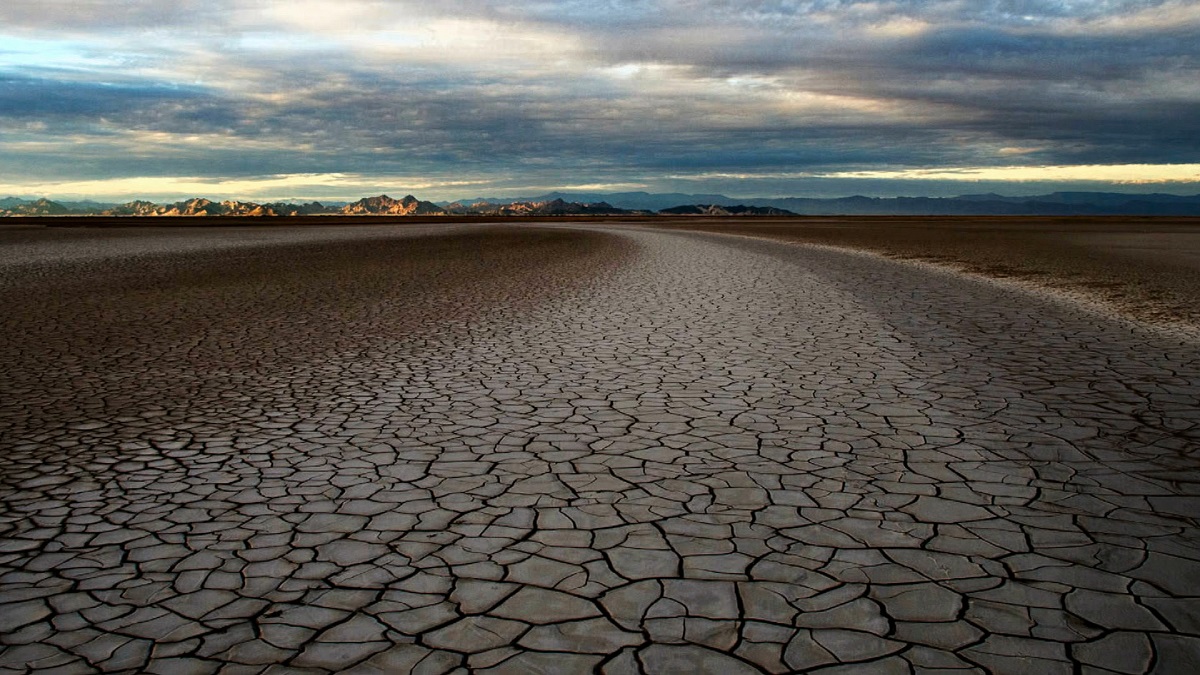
(1055, 203)
(382, 205)
(642, 203)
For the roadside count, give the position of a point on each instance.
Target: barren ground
(579, 448)
(1145, 268)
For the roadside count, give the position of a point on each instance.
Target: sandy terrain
(577, 449)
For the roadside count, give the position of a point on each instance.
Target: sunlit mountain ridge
(637, 203)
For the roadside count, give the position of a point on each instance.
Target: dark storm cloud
(1030, 55)
(1090, 98)
(1002, 70)
(28, 97)
(498, 123)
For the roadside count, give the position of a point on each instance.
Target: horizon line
(561, 192)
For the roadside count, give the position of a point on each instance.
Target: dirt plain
(1143, 267)
(590, 447)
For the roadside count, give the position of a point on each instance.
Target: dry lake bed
(604, 447)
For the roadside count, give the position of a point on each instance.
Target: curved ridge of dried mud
(1145, 271)
(601, 450)
(1112, 307)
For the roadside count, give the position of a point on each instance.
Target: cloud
(27, 97)
(1139, 174)
(614, 92)
(88, 16)
(293, 186)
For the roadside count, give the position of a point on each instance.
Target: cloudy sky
(115, 99)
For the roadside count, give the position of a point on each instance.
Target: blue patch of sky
(36, 54)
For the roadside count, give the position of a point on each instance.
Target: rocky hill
(134, 208)
(191, 207)
(200, 207)
(552, 207)
(309, 209)
(384, 205)
(40, 207)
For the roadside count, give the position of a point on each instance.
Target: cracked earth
(572, 450)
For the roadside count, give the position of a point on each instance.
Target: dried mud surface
(1147, 269)
(578, 449)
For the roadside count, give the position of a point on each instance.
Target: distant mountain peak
(643, 203)
(384, 205)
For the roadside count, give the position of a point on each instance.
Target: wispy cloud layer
(501, 95)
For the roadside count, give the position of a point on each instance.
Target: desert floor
(1147, 269)
(607, 447)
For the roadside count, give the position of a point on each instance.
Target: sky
(339, 99)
